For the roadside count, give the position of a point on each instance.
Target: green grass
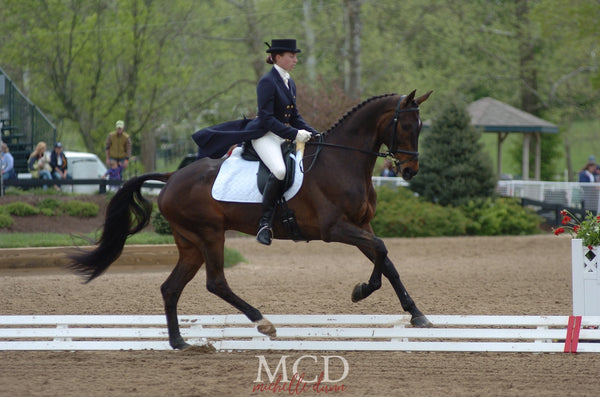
(24, 240)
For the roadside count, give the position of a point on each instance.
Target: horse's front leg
(363, 290)
(374, 249)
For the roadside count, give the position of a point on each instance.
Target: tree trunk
(352, 63)
(311, 61)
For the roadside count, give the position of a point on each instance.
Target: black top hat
(282, 45)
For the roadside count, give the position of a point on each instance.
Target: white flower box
(586, 279)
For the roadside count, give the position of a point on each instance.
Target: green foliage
(159, 223)
(49, 203)
(502, 216)
(6, 220)
(47, 211)
(87, 64)
(79, 208)
(401, 214)
(233, 257)
(453, 168)
(20, 209)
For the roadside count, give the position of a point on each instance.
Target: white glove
(303, 136)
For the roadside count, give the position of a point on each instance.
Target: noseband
(392, 150)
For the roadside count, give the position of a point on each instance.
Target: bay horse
(335, 204)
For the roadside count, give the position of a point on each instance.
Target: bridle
(392, 150)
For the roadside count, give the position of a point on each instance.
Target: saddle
(287, 215)
(287, 149)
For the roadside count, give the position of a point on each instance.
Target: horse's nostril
(408, 173)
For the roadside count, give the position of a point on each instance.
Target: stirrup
(264, 235)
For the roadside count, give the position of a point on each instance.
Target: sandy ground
(495, 275)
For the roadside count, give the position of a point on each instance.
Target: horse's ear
(408, 99)
(423, 98)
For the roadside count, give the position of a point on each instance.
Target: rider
(277, 120)
(278, 113)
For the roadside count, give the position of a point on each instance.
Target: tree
(453, 168)
(352, 45)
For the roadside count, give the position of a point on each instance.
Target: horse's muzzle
(408, 173)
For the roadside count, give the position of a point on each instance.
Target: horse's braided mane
(355, 108)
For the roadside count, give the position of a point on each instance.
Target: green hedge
(401, 214)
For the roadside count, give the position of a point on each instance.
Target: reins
(390, 152)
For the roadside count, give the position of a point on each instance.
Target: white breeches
(268, 148)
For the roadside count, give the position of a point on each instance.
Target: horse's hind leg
(217, 284)
(190, 260)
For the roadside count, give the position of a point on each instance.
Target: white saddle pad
(236, 181)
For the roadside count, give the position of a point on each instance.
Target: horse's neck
(355, 154)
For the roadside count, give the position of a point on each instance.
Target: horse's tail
(127, 213)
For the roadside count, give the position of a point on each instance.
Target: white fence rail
(306, 332)
(570, 194)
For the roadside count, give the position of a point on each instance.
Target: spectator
(592, 159)
(39, 164)
(588, 173)
(8, 163)
(114, 174)
(58, 162)
(388, 168)
(590, 193)
(118, 146)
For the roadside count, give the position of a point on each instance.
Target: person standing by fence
(114, 174)
(590, 193)
(118, 146)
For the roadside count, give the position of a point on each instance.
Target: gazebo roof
(492, 115)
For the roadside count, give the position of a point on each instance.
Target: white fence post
(586, 279)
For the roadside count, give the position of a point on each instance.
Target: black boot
(271, 194)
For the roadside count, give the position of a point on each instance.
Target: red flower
(566, 220)
(563, 212)
(575, 228)
(590, 247)
(558, 231)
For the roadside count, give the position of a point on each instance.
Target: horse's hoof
(180, 344)
(357, 294)
(265, 327)
(421, 322)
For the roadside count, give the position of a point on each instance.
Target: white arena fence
(569, 194)
(453, 333)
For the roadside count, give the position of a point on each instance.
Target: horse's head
(403, 138)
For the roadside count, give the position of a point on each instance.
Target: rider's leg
(268, 147)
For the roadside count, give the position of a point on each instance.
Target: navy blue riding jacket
(277, 112)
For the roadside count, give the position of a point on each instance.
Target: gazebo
(491, 115)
